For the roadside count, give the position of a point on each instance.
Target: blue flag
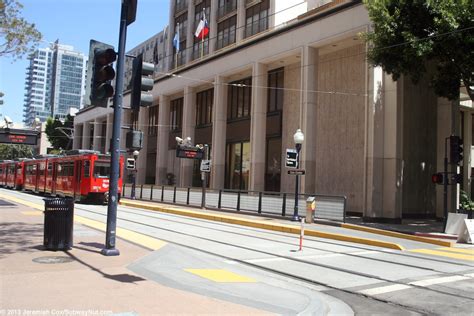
(176, 39)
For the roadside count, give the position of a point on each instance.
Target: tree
(411, 36)
(18, 37)
(11, 151)
(55, 131)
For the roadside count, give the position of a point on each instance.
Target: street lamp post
(134, 173)
(298, 138)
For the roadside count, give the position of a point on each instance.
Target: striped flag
(202, 29)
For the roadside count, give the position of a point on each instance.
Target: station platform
(82, 281)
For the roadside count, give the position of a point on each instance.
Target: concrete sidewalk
(82, 281)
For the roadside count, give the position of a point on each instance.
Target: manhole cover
(52, 260)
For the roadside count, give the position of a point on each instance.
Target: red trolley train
(81, 174)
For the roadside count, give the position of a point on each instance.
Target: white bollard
(301, 234)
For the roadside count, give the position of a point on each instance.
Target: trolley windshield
(101, 169)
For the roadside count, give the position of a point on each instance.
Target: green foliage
(53, 130)
(465, 202)
(18, 37)
(412, 35)
(11, 151)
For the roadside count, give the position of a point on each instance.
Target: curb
(399, 235)
(262, 225)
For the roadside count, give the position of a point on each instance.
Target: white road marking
(470, 275)
(367, 252)
(439, 280)
(385, 289)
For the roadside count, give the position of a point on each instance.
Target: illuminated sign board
(18, 136)
(189, 152)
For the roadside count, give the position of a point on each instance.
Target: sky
(75, 23)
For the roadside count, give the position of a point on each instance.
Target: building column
(162, 140)
(258, 127)
(240, 29)
(212, 20)
(219, 128)
(86, 134)
(189, 123)
(384, 144)
(96, 138)
(142, 157)
(190, 35)
(108, 132)
(77, 143)
(309, 99)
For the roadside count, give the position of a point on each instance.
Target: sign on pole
(291, 158)
(18, 136)
(205, 166)
(295, 172)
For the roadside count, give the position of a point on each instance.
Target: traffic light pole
(445, 184)
(204, 177)
(110, 249)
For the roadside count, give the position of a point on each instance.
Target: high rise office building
(54, 82)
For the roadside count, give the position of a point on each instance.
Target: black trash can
(58, 223)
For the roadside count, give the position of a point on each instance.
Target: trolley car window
(87, 169)
(101, 169)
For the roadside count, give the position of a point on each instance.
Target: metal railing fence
(328, 207)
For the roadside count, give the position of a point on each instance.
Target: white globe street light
(298, 138)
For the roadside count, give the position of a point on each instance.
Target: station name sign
(18, 136)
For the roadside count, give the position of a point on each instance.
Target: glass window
(239, 99)
(226, 6)
(256, 18)
(176, 114)
(237, 166)
(153, 121)
(204, 101)
(101, 169)
(87, 170)
(275, 90)
(181, 22)
(226, 32)
(273, 165)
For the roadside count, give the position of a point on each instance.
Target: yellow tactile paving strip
(454, 253)
(139, 239)
(32, 213)
(398, 235)
(261, 224)
(221, 276)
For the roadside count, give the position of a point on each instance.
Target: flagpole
(202, 37)
(177, 47)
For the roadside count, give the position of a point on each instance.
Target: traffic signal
(456, 149)
(100, 73)
(134, 140)
(142, 82)
(437, 178)
(457, 178)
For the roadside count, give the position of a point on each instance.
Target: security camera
(8, 120)
(179, 140)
